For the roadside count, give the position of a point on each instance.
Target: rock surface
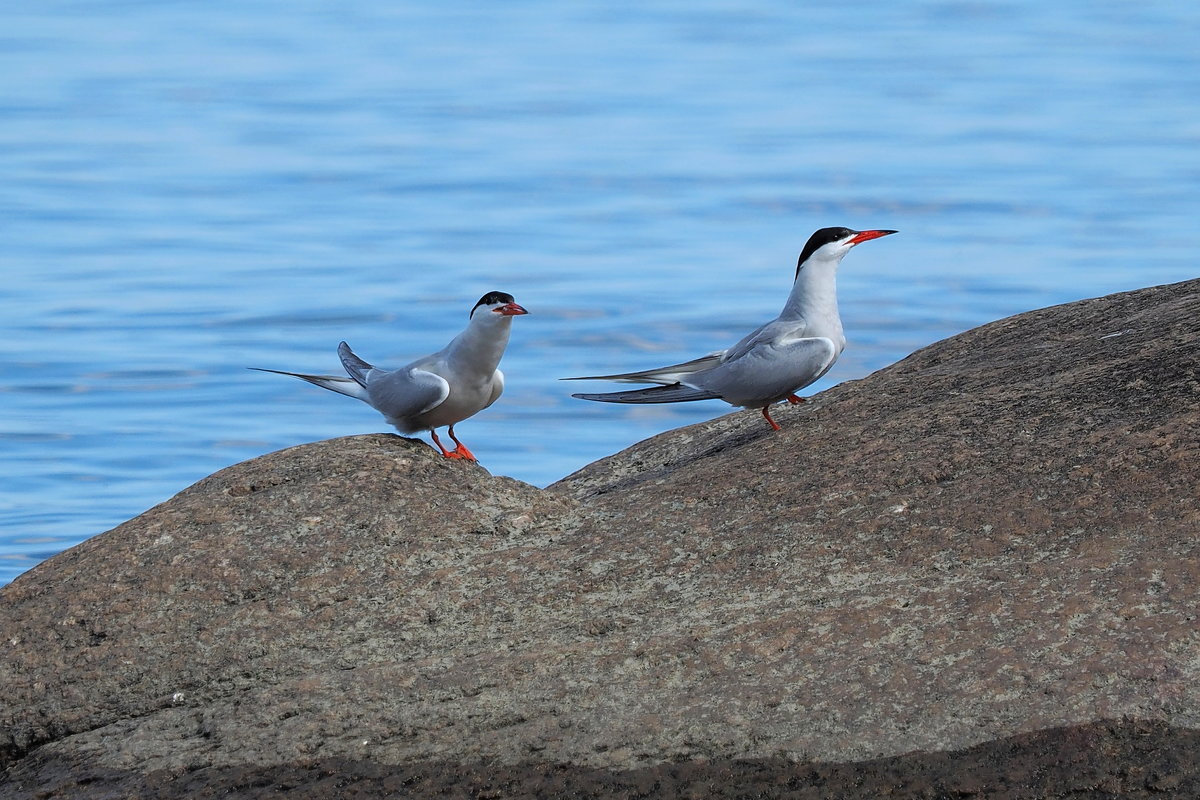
(1126, 760)
(994, 538)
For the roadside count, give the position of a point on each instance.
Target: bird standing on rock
(772, 363)
(443, 388)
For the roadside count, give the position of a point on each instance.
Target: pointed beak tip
(511, 310)
(866, 236)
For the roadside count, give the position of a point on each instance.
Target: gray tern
(775, 361)
(440, 389)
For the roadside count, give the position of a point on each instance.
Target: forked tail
(675, 393)
(333, 383)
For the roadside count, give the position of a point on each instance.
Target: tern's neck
(482, 344)
(814, 299)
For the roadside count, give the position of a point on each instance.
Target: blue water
(193, 188)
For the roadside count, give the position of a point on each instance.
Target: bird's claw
(461, 452)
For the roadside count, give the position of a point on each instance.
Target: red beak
(510, 310)
(866, 236)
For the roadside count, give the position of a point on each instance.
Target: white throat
(814, 299)
(480, 347)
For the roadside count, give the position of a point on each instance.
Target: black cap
(492, 298)
(819, 240)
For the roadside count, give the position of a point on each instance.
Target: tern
(440, 389)
(774, 362)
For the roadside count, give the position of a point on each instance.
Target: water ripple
(194, 189)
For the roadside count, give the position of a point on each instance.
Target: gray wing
(401, 395)
(404, 395)
(355, 367)
(773, 332)
(769, 372)
(664, 375)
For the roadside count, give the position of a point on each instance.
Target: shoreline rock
(1155, 761)
(994, 537)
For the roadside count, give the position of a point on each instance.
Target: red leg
(461, 451)
(445, 452)
(794, 399)
(767, 416)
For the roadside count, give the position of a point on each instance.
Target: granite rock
(994, 538)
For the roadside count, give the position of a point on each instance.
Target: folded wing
(400, 395)
(769, 373)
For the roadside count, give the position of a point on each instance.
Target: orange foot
(794, 399)
(460, 451)
(767, 416)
